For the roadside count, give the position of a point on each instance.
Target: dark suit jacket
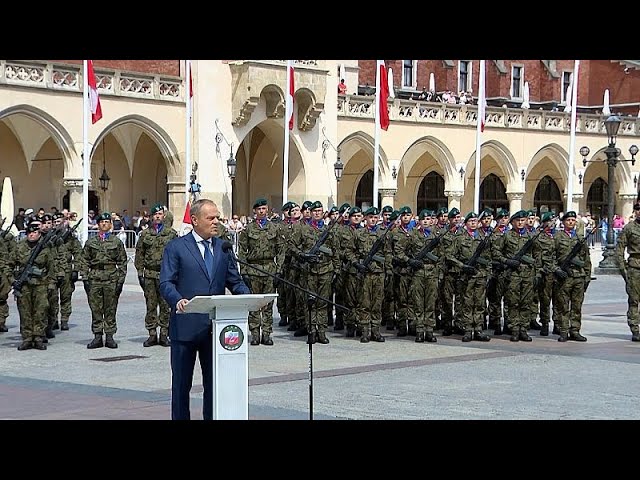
(183, 275)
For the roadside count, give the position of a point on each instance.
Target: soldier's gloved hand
(141, 281)
(310, 258)
(560, 274)
(74, 276)
(415, 263)
(361, 267)
(119, 286)
(468, 269)
(512, 262)
(59, 282)
(537, 281)
(87, 286)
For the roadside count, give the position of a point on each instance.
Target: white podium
(229, 314)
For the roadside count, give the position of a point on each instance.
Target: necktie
(208, 257)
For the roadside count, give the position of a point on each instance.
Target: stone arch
(349, 147)
(59, 134)
(502, 156)
(559, 158)
(623, 172)
(437, 150)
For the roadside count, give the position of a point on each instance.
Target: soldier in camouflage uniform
(370, 254)
(572, 282)
(258, 245)
(103, 269)
(485, 220)
(629, 239)
(402, 272)
(299, 325)
(519, 276)
(469, 243)
(535, 301)
(423, 289)
(388, 302)
(320, 266)
(441, 224)
(46, 225)
(31, 296)
(148, 259)
(345, 235)
(448, 292)
(8, 244)
(544, 249)
(284, 300)
(495, 286)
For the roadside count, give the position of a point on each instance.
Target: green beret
(569, 214)
(333, 210)
(530, 213)
(519, 214)
(372, 211)
(453, 212)
(316, 204)
(502, 213)
(286, 206)
(547, 216)
(58, 215)
(156, 208)
(469, 216)
(442, 211)
(47, 217)
(387, 209)
(487, 212)
(425, 213)
(355, 210)
(394, 216)
(33, 227)
(104, 216)
(306, 205)
(343, 208)
(260, 202)
(404, 209)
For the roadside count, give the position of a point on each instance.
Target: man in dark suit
(192, 265)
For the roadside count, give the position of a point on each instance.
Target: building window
(517, 83)
(364, 192)
(464, 76)
(547, 197)
(493, 194)
(598, 200)
(409, 74)
(431, 193)
(566, 82)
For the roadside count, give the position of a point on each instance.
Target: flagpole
(572, 138)
(86, 160)
(187, 166)
(376, 143)
(481, 113)
(287, 115)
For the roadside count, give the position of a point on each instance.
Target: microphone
(228, 248)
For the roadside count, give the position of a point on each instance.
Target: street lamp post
(609, 265)
(232, 165)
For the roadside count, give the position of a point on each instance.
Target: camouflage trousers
(402, 284)
(545, 293)
(261, 319)
(5, 287)
(388, 301)
(66, 293)
(103, 302)
(495, 295)
(351, 298)
(301, 311)
(369, 311)
(319, 283)
(633, 294)
(282, 301)
(32, 308)
(54, 305)
(473, 290)
(447, 294)
(423, 293)
(518, 292)
(158, 310)
(567, 300)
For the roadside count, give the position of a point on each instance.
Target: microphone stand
(313, 297)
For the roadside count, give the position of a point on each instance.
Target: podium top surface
(249, 302)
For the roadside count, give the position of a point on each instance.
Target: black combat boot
(365, 339)
(152, 340)
(49, 333)
(635, 336)
(266, 339)
(322, 338)
(284, 321)
(481, 337)
(429, 337)
(25, 345)
(544, 330)
(524, 336)
(96, 342)
(534, 325)
(3, 328)
(577, 337)
(467, 337)
(420, 337)
(64, 324)
(376, 336)
(38, 344)
(164, 340)
(515, 337)
(255, 338)
(339, 325)
(110, 342)
(563, 337)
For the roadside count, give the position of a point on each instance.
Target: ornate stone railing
(68, 77)
(412, 111)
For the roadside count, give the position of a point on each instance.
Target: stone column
(515, 201)
(454, 199)
(577, 204)
(74, 185)
(177, 199)
(625, 206)
(388, 196)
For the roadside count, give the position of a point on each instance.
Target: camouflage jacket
(445, 250)
(104, 260)
(508, 246)
(545, 254)
(580, 266)
(414, 244)
(345, 235)
(364, 240)
(629, 238)
(465, 246)
(47, 264)
(70, 251)
(305, 237)
(398, 242)
(259, 245)
(284, 231)
(149, 250)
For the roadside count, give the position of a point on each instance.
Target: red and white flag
(187, 216)
(383, 96)
(290, 93)
(94, 98)
(482, 97)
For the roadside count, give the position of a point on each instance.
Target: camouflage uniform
(544, 249)
(32, 299)
(448, 292)
(8, 244)
(496, 285)
(629, 239)
(70, 250)
(345, 238)
(104, 267)
(286, 295)
(258, 245)
(148, 259)
(402, 281)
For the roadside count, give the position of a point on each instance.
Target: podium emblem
(231, 337)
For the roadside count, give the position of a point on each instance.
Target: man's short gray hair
(197, 206)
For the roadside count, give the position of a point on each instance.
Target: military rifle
(319, 245)
(371, 256)
(571, 258)
(522, 255)
(61, 238)
(30, 270)
(426, 252)
(4, 233)
(482, 246)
